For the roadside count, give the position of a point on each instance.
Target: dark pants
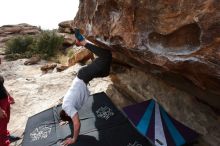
(100, 67)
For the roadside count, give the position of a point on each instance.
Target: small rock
(61, 68)
(32, 60)
(82, 56)
(48, 67)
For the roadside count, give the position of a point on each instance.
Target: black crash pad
(102, 124)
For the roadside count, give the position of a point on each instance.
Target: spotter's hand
(68, 141)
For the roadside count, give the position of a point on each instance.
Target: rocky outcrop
(65, 26)
(9, 31)
(175, 40)
(65, 30)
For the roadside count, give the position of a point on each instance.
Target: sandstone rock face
(9, 31)
(176, 40)
(171, 49)
(137, 86)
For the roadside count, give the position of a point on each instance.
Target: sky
(44, 13)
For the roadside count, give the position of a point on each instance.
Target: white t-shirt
(75, 97)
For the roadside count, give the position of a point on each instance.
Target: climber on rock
(78, 93)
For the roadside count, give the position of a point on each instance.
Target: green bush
(46, 44)
(19, 45)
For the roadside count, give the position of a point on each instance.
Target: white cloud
(44, 13)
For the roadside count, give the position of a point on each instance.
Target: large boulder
(171, 51)
(178, 41)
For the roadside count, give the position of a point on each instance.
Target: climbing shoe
(78, 36)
